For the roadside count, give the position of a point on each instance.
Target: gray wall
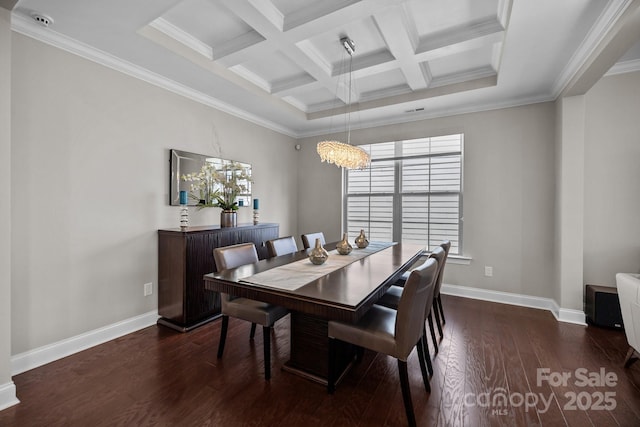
(508, 193)
(612, 179)
(90, 183)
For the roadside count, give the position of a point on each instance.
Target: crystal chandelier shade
(343, 155)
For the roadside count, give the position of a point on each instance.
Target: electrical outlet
(488, 271)
(148, 289)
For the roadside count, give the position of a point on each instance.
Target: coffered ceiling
(280, 63)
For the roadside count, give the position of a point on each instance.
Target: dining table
(343, 288)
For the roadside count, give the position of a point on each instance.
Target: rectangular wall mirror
(184, 163)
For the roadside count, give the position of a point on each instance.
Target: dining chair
(252, 311)
(281, 246)
(392, 332)
(391, 299)
(309, 240)
(437, 300)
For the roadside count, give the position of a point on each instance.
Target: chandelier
(339, 153)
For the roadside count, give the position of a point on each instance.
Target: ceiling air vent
(41, 19)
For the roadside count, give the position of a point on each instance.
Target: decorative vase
(228, 218)
(184, 217)
(344, 247)
(318, 255)
(361, 241)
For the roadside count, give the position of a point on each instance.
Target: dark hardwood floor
(484, 374)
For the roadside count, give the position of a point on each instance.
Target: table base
(310, 349)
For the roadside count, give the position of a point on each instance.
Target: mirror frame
(184, 162)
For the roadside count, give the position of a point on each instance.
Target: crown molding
(27, 27)
(297, 81)
(624, 67)
(596, 35)
(183, 37)
(254, 78)
(23, 25)
(464, 76)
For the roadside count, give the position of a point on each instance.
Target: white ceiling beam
(478, 29)
(269, 11)
(402, 45)
(462, 46)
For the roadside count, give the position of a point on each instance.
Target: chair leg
(266, 340)
(434, 311)
(253, 331)
(441, 312)
(406, 392)
(423, 367)
(427, 355)
(331, 374)
(631, 357)
(433, 333)
(359, 353)
(223, 335)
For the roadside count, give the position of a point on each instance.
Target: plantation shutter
(412, 192)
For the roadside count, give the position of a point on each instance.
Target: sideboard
(184, 257)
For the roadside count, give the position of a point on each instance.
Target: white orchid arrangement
(218, 186)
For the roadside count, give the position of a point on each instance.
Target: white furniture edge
(8, 395)
(561, 314)
(42, 355)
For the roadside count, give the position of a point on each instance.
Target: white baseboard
(41, 356)
(561, 314)
(8, 395)
(571, 316)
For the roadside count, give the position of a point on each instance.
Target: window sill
(459, 259)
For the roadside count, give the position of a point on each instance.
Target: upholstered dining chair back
(446, 245)
(235, 255)
(282, 246)
(309, 240)
(417, 297)
(439, 254)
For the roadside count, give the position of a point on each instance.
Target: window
(412, 192)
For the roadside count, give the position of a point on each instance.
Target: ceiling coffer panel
(278, 71)
(214, 25)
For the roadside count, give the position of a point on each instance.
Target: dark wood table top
(345, 294)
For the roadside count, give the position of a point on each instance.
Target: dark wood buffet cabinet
(184, 257)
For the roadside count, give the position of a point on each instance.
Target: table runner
(297, 274)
